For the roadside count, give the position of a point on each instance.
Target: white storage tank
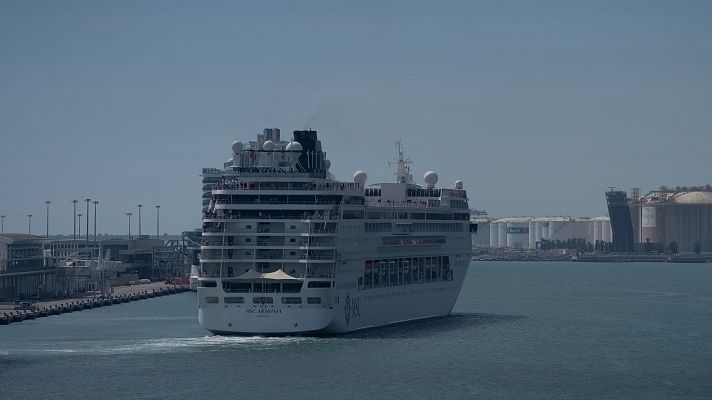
(494, 234)
(606, 233)
(502, 233)
(597, 230)
(537, 230)
(589, 230)
(518, 233)
(482, 237)
(561, 228)
(532, 234)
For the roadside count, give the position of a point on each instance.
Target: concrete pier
(122, 294)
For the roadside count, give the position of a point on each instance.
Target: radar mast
(402, 164)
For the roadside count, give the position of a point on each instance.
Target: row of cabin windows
(443, 227)
(418, 215)
(260, 287)
(412, 240)
(370, 227)
(404, 271)
(261, 300)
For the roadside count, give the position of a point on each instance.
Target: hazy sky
(538, 106)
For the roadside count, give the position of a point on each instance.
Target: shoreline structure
(121, 294)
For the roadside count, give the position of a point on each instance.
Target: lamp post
(158, 219)
(29, 224)
(75, 222)
(95, 204)
(47, 203)
(80, 225)
(87, 214)
(2, 224)
(139, 219)
(128, 214)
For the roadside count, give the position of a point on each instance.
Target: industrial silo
(558, 228)
(597, 229)
(532, 234)
(502, 233)
(483, 236)
(688, 220)
(518, 233)
(606, 232)
(538, 225)
(494, 234)
(545, 228)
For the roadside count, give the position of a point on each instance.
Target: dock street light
(87, 214)
(47, 203)
(128, 214)
(158, 221)
(75, 223)
(95, 204)
(29, 224)
(139, 219)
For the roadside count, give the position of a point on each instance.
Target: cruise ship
(289, 250)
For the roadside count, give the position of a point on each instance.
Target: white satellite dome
(294, 146)
(431, 178)
(237, 147)
(268, 145)
(327, 164)
(458, 184)
(360, 177)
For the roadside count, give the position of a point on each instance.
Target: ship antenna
(402, 164)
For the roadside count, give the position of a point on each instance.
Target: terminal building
(24, 268)
(665, 219)
(34, 267)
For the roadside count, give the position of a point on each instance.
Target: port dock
(124, 294)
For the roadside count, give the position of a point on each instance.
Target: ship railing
(268, 215)
(317, 202)
(230, 232)
(335, 186)
(404, 204)
(220, 255)
(298, 275)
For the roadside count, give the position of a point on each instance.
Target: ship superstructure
(288, 249)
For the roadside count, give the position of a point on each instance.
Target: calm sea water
(520, 331)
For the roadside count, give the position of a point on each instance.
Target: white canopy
(276, 275)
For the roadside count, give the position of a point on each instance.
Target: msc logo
(351, 308)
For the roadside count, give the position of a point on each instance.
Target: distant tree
(698, 247)
(674, 248)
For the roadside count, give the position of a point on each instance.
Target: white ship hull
(342, 310)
